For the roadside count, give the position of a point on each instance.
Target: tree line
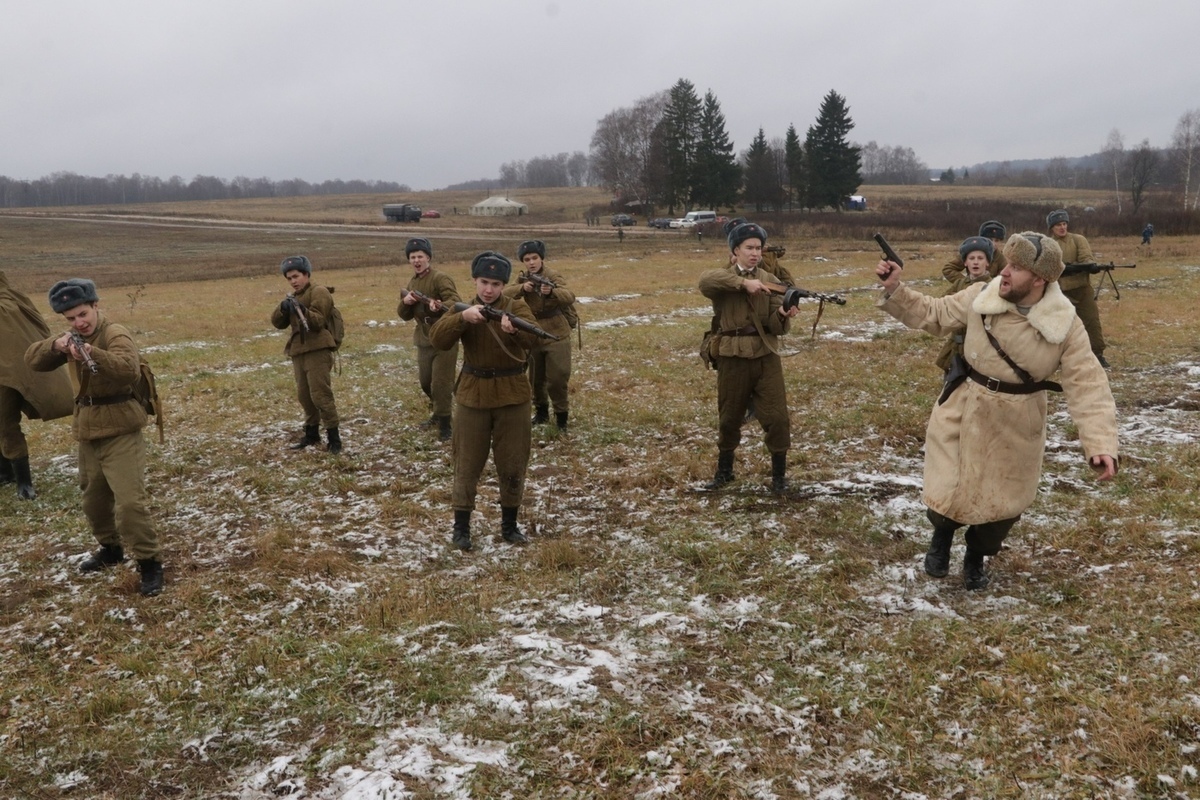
(70, 189)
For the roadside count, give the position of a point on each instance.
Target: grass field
(319, 639)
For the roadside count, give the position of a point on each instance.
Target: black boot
(937, 560)
(445, 430)
(152, 577)
(541, 414)
(724, 471)
(461, 536)
(509, 531)
(24, 478)
(974, 574)
(778, 472)
(6, 471)
(109, 555)
(560, 419)
(312, 435)
(430, 423)
(335, 440)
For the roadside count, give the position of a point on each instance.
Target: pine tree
(716, 175)
(833, 163)
(681, 135)
(761, 183)
(793, 154)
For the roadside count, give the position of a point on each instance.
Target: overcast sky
(437, 92)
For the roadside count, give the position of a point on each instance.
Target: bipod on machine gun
(88, 361)
(792, 295)
(496, 314)
(1092, 268)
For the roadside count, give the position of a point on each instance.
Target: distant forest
(70, 189)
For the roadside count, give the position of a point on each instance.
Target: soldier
(1147, 233)
(976, 254)
(992, 230)
(749, 320)
(492, 408)
(1078, 287)
(770, 256)
(986, 438)
(552, 304)
(108, 425)
(310, 347)
(39, 396)
(435, 368)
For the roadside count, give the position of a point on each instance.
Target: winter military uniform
(38, 395)
(954, 342)
(550, 360)
(435, 368)
(1078, 288)
(993, 231)
(108, 425)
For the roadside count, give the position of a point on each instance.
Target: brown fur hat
(1036, 252)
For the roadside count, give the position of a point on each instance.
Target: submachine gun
(792, 295)
(537, 280)
(497, 315)
(1091, 268)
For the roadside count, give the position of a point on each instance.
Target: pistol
(888, 252)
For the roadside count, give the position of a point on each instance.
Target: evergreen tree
(833, 163)
(681, 135)
(793, 154)
(716, 175)
(761, 181)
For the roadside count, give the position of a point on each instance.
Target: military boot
(541, 414)
(509, 531)
(6, 471)
(109, 555)
(461, 535)
(152, 577)
(312, 435)
(445, 430)
(430, 423)
(560, 419)
(335, 440)
(974, 574)
(778, 473)
(724, 471)
(937, 560)
(24, 478)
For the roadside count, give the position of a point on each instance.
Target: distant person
(311, 347)
(39, 395)
(1147, 233)
(1078, 287)
(108, 426)
(553, 306)
(986, 438)
(621, 233)
(435, 368)
(491, 414)
(976, 254)
(992, 230)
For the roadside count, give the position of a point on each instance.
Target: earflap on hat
(295, 262)
(72, 292)
(493, 265)
(418, 243)
(747, 230)
(1036, 252)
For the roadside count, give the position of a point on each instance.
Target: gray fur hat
(993, 229)
(1036, 252)
(295, 262)
(747, 230)
(973, 243)
(490, 264)
(531, 246)
(1055, 217)
(418, 243)
(67, 294)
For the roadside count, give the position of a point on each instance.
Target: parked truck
(402, 212)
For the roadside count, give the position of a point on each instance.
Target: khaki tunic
(435, 368)
(983, 449)
(749, 368)
(311, 352)
(954, 342)
(549, 360)
(1078, 288)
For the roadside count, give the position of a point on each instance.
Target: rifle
(423, 298)
(496, 314)
(1091, 268)
(77, 340)
(295, 307)
(792, 295)
(536, 280)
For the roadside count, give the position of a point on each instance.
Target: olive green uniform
(492, 402)
(311, 352)
(957, 269)
(108, 425)
(435, 368)
(1078, 288)
(749, 366)
(954, 342)
(549, 361)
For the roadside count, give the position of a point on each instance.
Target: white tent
(498, 207)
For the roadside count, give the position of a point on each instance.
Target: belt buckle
(992, 385)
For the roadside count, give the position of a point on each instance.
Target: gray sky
(434, 92)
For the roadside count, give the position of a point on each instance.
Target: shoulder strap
(1022, 374)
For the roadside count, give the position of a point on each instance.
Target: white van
(700, 217)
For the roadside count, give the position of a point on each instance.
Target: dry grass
(651, 641)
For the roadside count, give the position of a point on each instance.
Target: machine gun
(536, 280)
(1091, 268)
(496, 314)
(792, 295)
(90, 362)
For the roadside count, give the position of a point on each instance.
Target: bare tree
(1058, 173)
(1113, 156)
(1185, 152)
(1143, 167)
(623, 146)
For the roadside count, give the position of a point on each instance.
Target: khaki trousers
(1084, 300)
(314, 387)
(435, 368)
(550, 372)
(739, 380)
(112, 474)
(12, 438)
(506, 432)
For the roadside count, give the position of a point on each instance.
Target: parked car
(675, 223)
(659, 222)
(620, 220)
(687, 224)
(431, 214)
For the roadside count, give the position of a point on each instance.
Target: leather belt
(506, 372)
(748, 330)
(108, 400)
(548, 314)
(1004, 387)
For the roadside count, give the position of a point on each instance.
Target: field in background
(319, 639)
